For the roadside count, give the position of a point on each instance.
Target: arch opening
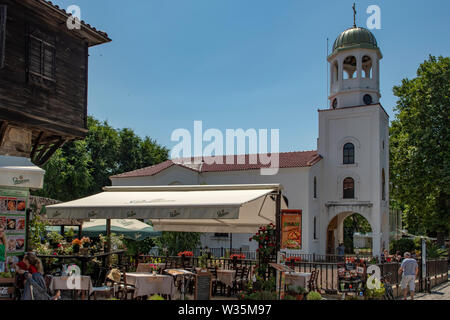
(349, 233)
(367, 65)
(349, 67)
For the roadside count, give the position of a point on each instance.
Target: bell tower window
(349, 188)
(349, 67)
(349, 153)
(367, 66)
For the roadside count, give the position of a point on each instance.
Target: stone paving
(440, 292)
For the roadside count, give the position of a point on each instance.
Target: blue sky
(241, 63)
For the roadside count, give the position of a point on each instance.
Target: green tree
(67, 173)
(176, 242)
(420, 148)
(103, 144)
(82, 168)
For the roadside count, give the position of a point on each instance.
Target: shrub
(314, 296)
(156, 297)
(375, 293)
(263, 295)
(403, 245)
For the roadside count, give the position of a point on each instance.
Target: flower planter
(84, 251)
(300, 297)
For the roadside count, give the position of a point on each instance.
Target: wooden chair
(103, 286)
(124, 287)
(170, 263)
(237, 279)
(312, 283)
(143, 267)
(213, 271)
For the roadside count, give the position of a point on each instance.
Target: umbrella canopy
(129, 228)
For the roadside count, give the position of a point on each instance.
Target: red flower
(54, 253)
(59, 245)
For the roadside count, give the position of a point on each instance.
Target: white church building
(347, 174)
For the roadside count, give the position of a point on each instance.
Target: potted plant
(299, 292)
(54, 239)
(153, 268)
(85, 244)
(203, 261)
(76, 244)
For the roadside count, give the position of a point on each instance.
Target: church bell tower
(354, 69)
(354, 142)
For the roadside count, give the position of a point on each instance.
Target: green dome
(355, 37)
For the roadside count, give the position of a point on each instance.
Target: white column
(359, 66)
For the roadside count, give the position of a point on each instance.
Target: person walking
(409, 270)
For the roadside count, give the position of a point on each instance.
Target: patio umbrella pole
(108, 241)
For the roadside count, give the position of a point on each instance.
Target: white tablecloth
(147, 284)
(226, 276)
(297, 279)
(74, 283)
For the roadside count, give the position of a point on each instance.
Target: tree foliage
(420, 148)
(176, 242)
(83, 167)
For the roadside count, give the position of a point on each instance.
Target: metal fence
(328, 280)
(194, 261)
(215, 252)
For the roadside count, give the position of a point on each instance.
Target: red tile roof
(286, 160)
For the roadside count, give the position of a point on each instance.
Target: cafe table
(146, 284)
(296, 279)
(182, 273)
(80, 283)
(226, 276)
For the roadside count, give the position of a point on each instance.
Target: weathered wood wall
(62, 102)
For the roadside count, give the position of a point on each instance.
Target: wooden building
(43, 78)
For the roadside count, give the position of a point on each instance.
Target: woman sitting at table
(23, 268)
(35, 287)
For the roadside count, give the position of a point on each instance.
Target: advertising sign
(13, 204)
(291, 229)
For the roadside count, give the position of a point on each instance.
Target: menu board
(291, 229)
(203, 286)
(13, 205)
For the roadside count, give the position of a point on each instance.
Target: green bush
(375, 293)
(263, 295)
(156, 297)
(314, 296)
(403, 245)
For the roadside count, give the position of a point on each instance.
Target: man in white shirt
(410, 270)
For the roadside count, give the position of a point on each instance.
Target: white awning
(227, 208)
(20, 172)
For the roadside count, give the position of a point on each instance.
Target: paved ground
(441, 292)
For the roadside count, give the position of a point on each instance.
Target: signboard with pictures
(291, 229)
(13, 205)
